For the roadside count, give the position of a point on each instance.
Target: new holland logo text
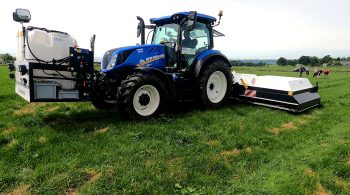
(150, 59)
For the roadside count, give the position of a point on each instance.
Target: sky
(254, 29)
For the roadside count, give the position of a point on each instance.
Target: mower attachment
(286, 93)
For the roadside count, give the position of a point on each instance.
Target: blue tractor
(179, 65)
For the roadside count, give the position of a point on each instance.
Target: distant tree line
(241, 63)
(7, 58)
(311, 61)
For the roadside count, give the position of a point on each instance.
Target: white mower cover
(273, 82)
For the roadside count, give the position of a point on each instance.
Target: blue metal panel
(207, 53)
(141, 56)
(203, 57)
(180, 15)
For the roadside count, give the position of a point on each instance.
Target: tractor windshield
(165, 34)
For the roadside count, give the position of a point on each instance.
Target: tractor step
(286, 93)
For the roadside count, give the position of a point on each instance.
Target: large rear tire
(141, 96)
(215, 83)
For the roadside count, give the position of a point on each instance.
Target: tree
(327, 59)
(282, 61)
(314, 61)
(337, 63)
(292, 62)
(236, 63)
(8, 58)
(261, 64)
(305, 60)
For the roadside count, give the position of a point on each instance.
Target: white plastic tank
(45, 45)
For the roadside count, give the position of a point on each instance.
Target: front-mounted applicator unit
(287, 93)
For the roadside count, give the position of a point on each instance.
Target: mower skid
(286, 93)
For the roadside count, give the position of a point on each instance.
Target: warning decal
(250, 93)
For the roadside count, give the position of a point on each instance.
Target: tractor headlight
(111, 63)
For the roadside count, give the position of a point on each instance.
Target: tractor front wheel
(141, 96)
(215, 83)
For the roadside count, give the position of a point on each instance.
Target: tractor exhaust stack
(141, 29)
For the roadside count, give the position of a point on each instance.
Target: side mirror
(192, 18)
(21, 15)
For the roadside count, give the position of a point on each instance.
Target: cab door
(194, 42)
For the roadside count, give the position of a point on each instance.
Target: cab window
(165, 34)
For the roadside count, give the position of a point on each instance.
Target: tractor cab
(185, 35)
(179, 41)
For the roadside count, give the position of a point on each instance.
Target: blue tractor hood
(151, 55)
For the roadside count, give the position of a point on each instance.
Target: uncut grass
(71, 147)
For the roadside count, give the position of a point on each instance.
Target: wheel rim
(146, 100)
(216, 87)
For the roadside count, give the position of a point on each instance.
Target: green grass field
(70, 148)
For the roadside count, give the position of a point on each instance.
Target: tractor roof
(179, 16)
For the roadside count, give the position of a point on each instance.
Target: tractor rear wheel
(141, 96)
(215, 83)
